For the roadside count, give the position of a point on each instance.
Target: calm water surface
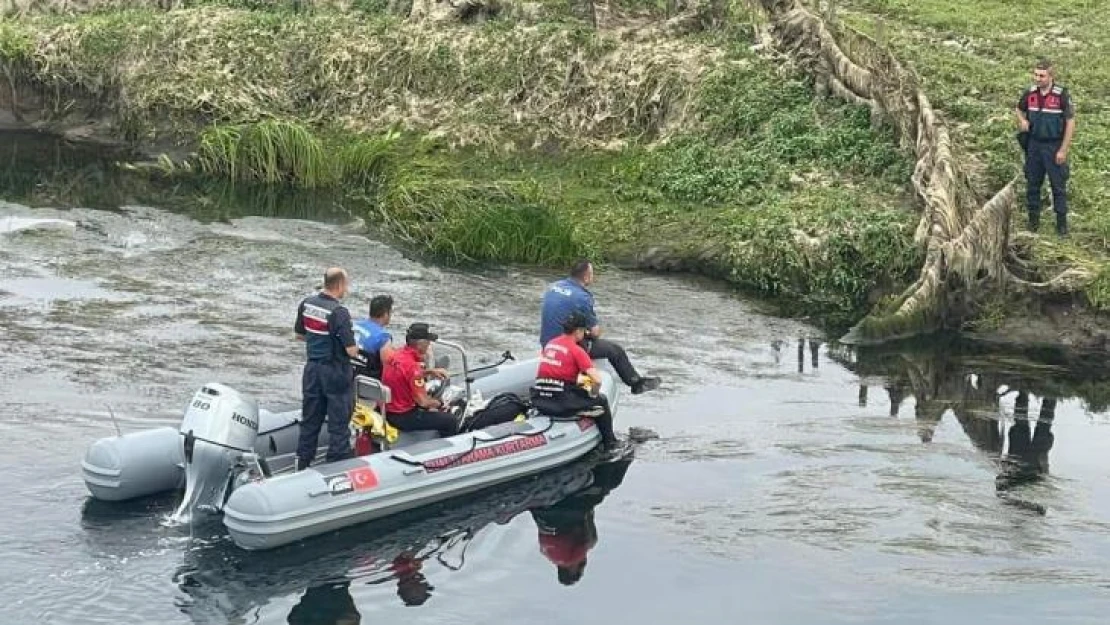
(794, 481)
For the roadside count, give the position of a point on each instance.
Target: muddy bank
(25, 108)
(971, 260)
(1051, 325)
(518, 143)
(607, 144)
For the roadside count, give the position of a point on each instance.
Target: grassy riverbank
(509, 142)
(975, 63)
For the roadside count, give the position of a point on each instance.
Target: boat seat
(423, 447)
(413, 437)
(277, 418)
(498, 431)
(372, 390)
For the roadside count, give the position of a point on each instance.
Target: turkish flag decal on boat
(363, 478)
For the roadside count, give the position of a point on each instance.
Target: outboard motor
(219, 428)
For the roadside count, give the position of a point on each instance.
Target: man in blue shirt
(570, 295)
(324, 325)
(373, 339)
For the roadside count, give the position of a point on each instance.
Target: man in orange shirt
(410, 407)
(556, 391)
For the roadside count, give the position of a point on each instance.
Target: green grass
(462, 220)
(798, 201)
(825, 252)
(39, 170)
(16, 47)
(288, 152)
(270, 151)
(547, 10)
(510, 143)
(1099, 291)
(160, 73)
(975, 62)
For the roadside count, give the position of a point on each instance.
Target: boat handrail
(465, 364)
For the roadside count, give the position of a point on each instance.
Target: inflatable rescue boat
(235, 458)
(389, 551)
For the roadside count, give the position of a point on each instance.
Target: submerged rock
(641, 435)
(12, 225)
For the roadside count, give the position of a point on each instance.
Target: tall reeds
(449, 214)
(286, 152)
(461, 220)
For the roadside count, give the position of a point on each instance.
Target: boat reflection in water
(220, 582)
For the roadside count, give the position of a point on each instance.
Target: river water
(793, 481)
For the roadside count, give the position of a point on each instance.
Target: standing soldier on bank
(1047, 122)
(326, 385)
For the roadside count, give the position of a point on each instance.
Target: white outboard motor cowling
(220, 425)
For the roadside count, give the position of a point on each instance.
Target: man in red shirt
(410, 407)
(556, 391)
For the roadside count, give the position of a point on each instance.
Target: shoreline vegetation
(633, 131)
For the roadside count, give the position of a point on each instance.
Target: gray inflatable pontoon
(235, 458)
(213, 572)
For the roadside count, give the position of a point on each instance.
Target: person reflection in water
(412, 587)
(332, 603)
(1026, 458)
(567, 531)
(326, 604)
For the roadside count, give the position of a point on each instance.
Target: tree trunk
(686, 16)
(966, 243)
(450, 10)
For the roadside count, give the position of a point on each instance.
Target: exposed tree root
(966, 244)
(440, 11)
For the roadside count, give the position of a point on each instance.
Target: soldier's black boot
(1034, 221)
(1061, 225)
